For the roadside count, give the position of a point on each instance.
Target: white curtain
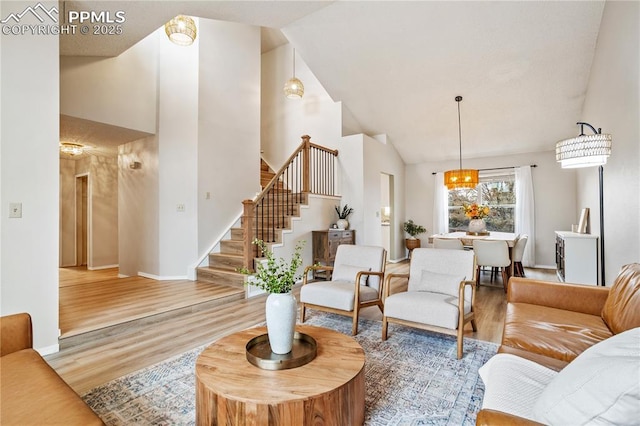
(440, 205)
(525, 213)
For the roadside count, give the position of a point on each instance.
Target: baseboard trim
(163, 278)
(97, 268)
(48, 350)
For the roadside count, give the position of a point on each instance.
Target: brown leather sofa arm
(492, 417)
(15, 333)
(570, 297)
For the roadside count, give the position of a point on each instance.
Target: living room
(32, 99)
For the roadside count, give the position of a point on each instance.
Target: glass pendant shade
(293, 88)
(181, 30)
(461, 178)
(71, 148)
(583, 151)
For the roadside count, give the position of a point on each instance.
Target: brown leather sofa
(31, 392)
(552, 323)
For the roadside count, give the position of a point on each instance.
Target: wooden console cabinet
(325, 244)
(577, 257)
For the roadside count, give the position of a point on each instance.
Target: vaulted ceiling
(521, 67)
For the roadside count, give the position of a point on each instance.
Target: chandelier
(181, 30)
(460, 178)
(71, 148)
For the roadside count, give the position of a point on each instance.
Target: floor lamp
(588, 151)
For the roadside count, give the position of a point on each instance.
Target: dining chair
(447, 243)
(494, 254)
(518, 253)
(356, 282)
(440, 294)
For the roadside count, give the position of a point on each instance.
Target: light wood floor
(93, 300)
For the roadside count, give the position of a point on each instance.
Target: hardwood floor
(90, 359)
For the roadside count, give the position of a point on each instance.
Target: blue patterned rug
(413, 378)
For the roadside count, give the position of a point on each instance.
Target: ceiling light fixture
(584, 150)
(293, 88)
(71, 148)
(460, 178)
(181, 30)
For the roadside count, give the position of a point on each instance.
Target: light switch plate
(15, 210)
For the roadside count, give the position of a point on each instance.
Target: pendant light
(460, 178)
(293, 88)
(181, 30)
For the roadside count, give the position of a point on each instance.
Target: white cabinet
(577, 257)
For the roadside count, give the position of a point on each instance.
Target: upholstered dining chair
(440, 294)
(494, 254)
(356, 282)
(448, 243)
(518, 253)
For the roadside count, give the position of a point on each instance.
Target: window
(497, 190)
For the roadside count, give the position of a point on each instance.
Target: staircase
(309, 170)
(224, 265)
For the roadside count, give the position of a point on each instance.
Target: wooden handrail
(308, 170)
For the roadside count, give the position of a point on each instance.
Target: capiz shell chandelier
(181, 30)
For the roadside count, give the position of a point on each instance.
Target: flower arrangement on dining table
(476, 211)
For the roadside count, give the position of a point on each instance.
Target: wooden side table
(325, 246)
(329, 390)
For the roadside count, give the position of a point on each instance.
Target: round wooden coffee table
(328, 390)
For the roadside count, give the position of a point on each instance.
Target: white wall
(612, 104)
(381, 157)
(120, 91)
(138, 215)
(228, 157)
(554, 194)
(29, 174)
(178, 70)
(284, 120)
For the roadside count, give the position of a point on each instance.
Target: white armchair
(440, 294)
(364, 265)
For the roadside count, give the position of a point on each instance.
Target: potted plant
(343, 214)
(413, 230)
(277, 277)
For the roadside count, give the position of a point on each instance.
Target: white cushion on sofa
(513, 384)
(600, 386)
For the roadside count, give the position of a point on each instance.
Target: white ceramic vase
(342, 223)
(477, 225)
(281, 310)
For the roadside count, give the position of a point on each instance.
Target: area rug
(413, 378)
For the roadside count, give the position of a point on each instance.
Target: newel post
(306, 160)
(247, 230)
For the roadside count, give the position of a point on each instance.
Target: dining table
(467, 240)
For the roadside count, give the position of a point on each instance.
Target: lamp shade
(461, 178)
(583, 151)
(293, 88)
(181, 30)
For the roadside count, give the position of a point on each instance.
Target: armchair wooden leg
(460, 342)
(474, 327)
(354, 327)
(302, 312)
(385, 325)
